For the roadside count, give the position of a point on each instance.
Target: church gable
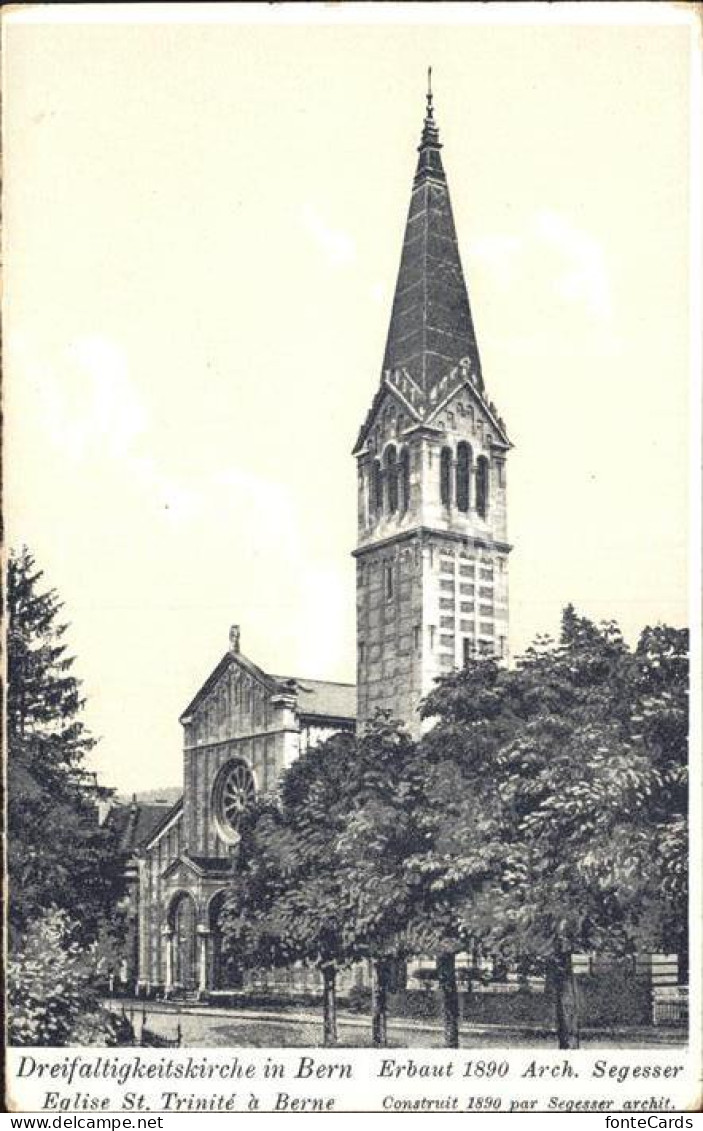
(389, 422)
(234, 701)
(391, 414)
(464, 411)
(179, 872)
(184, 869)
(455, 401)
(241, 730)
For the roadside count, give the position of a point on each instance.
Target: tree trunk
(329, 1004)
(682, 950)
(379, 991)
(446, 973)
(566, 1001)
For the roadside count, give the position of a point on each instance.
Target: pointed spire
(431, 328)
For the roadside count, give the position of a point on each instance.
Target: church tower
(432, 551)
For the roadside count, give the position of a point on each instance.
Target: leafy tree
(566, 828)
(320, 873)
(58, 855)
(287, 902)
(659, 715)
(458, 818)
(109, 950)
(544, 813)
(378, 834)
(568, 778)
(252, 920)
(50, 992)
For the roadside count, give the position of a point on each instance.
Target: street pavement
(204, 1026)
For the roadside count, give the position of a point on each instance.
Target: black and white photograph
(352, 570)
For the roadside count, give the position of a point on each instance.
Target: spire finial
(430, 134)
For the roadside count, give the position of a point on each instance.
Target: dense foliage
(65, 874)
(579, 767)
(50, 994)
(543, 813)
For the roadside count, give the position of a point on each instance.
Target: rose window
(234, 792)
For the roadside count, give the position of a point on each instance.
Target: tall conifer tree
(58, 854)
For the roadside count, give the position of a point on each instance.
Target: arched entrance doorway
(226, 972)
(183, 918)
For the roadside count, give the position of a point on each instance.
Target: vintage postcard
(352, 586)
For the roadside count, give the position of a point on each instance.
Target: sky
(203, 229)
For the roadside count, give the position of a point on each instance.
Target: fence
(670, 1005)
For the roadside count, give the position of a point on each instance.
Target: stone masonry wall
(432, 580)
(389, 619)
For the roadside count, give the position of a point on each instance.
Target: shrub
(50, 997)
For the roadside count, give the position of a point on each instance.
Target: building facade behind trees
(432, 590)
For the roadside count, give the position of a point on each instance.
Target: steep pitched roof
(431, 329)
(431, 350)
(136, 823)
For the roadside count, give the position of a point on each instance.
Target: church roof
(137, 822)
(199, 865)
(212, 865)
(320, 699)
(431, 329)
(316, 698)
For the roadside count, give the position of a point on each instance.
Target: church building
(242, 729)
(432, 590)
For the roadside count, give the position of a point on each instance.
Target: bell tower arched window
(482, 481)
(445, 476)
(376, 486)
(463, 475)
(404, 478)
(391, 461)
